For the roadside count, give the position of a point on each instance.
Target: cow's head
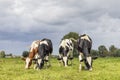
(28, 60)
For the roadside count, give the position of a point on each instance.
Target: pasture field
(103, 69)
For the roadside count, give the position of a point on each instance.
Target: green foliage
(116, 53)
(94, 53)
(2, 54)
(102, 50)
(25, 53)
(103, 69)
(71, 35)
(112, 49)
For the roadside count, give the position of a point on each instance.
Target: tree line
(102, 51)
(3, 54)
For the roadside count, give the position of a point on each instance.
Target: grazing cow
(65, 51)
(84, 48)
(33, 51)
(45, 48)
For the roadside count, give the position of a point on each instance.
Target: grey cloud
(23, 21)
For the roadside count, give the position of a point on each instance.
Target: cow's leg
(89, 62)
(35, 63)
(47, 61)
(65, 60)
(60, 61)
(70, 56)
(80, 60)
(28, 63)
(40, 63)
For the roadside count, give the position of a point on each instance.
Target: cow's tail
(93, 58)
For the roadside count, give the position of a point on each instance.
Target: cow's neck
(32, 54)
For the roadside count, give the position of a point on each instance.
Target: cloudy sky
(22, 21)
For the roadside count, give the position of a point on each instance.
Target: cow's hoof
(90, 69)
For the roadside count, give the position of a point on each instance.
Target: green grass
(103, 69)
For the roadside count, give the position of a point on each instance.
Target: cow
(32, 52)
(65, 51)
(45, 49)
(84, 47)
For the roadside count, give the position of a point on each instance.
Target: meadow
(103, 69)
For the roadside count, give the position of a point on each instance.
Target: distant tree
(94, 52)
(25, 53)
(2, 54)
(112, 49)
(117, 53)
(73, 36)
(102, 51)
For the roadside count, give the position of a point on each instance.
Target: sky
(23, 21)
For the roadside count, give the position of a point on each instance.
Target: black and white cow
(84, 47)
(65, 51)
(45, 48)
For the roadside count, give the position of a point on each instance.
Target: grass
(103, 69)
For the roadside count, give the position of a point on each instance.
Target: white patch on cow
(85, 37)
(89, 60)
(39, 61)
(44, 42)
(47, 58)
(27, 62)
(80, 65)
(36, 56)
(80, 57)
(34, 45)
(65, 61)
(90, 69)
(63, 44)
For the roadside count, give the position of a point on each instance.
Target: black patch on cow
(66, 50)
(40, 66)
(50, 46)
(61, 50)
(42, 52)
(84, 46)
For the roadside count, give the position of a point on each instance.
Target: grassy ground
(103, 69)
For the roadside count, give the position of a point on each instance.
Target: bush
(25, 53)
(2, 54)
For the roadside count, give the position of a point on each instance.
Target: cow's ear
(23, 58)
